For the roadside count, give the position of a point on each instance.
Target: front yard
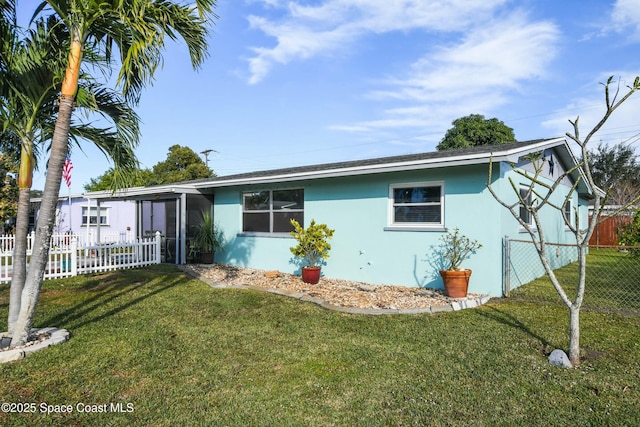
(165, 350)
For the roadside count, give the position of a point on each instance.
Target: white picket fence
(69, 258)
(7, 241)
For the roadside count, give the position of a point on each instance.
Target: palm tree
(24, 109)
(27, 113)
(136, 29)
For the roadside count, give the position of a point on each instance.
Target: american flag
(66, 170)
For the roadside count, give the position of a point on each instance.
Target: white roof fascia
(460, 160)
(583, 177)
(512, 156)
(142, 191)
(515, 154)
(336, 173)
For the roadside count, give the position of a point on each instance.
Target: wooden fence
(606, 232)
(70, 259)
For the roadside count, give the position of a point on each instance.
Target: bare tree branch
(540, 187)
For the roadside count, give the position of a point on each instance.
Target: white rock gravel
(340, 293)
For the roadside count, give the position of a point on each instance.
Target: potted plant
(312, 248)
(455, 249)
(208, 238)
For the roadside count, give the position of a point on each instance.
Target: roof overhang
(510, 153)
(159, 192)
(506, 155)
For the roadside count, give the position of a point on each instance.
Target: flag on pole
(66, 170)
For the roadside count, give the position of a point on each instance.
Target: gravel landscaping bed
(341, 293)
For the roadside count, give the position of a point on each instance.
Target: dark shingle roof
(480, 154)
(328, 167)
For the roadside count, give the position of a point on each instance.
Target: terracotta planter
(456, 283)
(311, 275)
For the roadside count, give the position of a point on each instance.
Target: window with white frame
(417, 204)
(271, 211)
(90, 215)
(526, 195)
(568, 212)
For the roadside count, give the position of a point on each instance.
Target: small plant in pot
(312, 248)
(455, 249)
(208, 238)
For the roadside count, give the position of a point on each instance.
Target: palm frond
(137, 30)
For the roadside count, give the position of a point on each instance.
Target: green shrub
(629, 234)
(313, 245)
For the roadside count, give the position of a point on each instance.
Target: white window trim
(88, 208)
(531, 222)
(414, 226)
(571, 214)
(269, 233)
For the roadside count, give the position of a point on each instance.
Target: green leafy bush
(629, 234)
(313, 245)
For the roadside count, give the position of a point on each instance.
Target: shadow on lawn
(107, 295)
(510, 320)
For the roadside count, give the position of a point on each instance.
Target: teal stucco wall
(524, 262)
(363, 248)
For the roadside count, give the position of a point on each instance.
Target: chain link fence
(612, 279)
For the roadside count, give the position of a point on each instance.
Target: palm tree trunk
(19, 273)
(19, 257)
(47, 216)
(44, 226)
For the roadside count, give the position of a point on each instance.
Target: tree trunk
(574, 309)
(574, 335)
(46, 220)
(19, 257)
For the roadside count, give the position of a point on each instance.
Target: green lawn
(181, 353)
(612, 282)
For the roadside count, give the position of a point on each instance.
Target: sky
(294, 82)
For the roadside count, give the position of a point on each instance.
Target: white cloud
(483, 54)
(293, 42)
(622, 125)
(305, 31)
(626, 16)
(475, 75)
(491, 57)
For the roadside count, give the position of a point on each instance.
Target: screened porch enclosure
(176, 217)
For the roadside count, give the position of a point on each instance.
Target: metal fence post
(506, 280)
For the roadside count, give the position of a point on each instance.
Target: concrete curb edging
(458, 304)
(58, 336)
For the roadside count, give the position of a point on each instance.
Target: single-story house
(91, 220)
(389, 213)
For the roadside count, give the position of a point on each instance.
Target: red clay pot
(456, 282)
(311, 275)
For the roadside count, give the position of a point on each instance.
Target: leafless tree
(538, 196)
